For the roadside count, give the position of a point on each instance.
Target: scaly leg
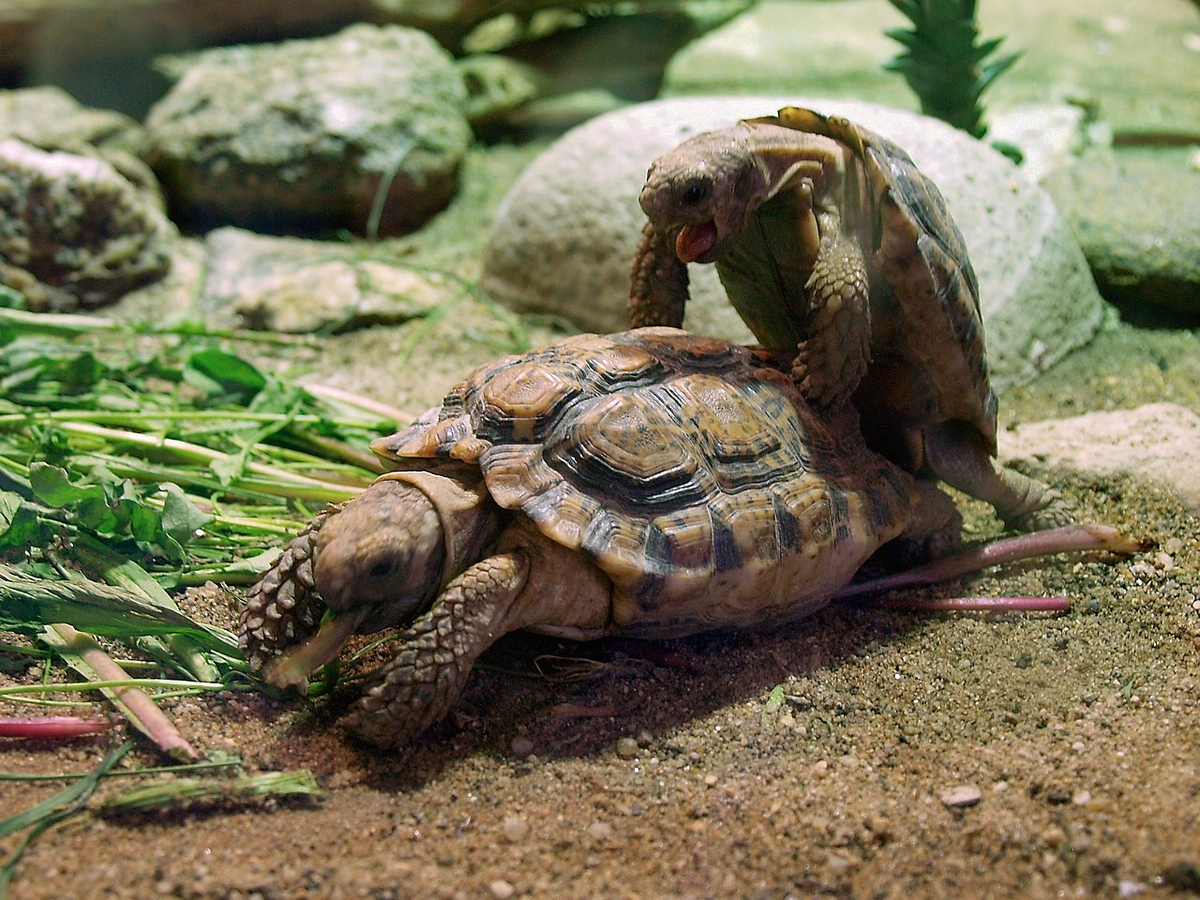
(420, 684)
(282, 607)
(658, 289)
(833, 358)
(956, 454)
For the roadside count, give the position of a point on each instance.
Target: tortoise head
(703, 192)
(381, 557)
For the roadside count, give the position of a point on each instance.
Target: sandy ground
(667, 773)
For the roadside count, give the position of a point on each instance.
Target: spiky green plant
(944, 61)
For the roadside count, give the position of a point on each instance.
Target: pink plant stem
(149, 718)
(1005, 550)
(51, 727)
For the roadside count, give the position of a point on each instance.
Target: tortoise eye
(694, 193)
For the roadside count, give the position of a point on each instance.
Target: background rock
(564, 238)
(1157, 441)
(50, 117)
(298, 286)
(1137, 217)
(306, 134)
(1137, 67)
(73, 231)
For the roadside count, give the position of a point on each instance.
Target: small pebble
(627, 748)
(1127, 888)
(521, 745)
(820, 769)
(1054, 836)
(501, 889)
(600, 831)
(710, 780)
(1082, 798)
(961, 796)
(515, 829)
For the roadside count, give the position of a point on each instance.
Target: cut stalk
(133, 702)
(51, 727)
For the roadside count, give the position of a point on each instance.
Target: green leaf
(120, 571)
(53, 486)
(233, 374)
(10, 298)
(98, 609)
(181, 518)
(186, 791)
(19, 525)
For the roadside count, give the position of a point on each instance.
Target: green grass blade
(50, 812)
(188, 791)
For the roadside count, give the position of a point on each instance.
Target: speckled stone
(75, 233)
(315, 134)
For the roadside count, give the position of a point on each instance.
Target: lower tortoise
(649, 483)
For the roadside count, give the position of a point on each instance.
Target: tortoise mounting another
(830, 241)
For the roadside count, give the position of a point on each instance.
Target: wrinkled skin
(829, 240)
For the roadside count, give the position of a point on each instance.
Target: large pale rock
(74, 232)
(294, 285)
(362, 130)
(564, 237)
(1157, 441)
(1137, 217)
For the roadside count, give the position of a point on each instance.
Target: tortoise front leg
(282, 607)
(833, 358)
(437, 652)
(658, 288)
(955, 453)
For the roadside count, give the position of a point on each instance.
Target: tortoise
(650, 483)
(829, 240)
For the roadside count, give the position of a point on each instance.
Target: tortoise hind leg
(956, 454)
(833, 358)
(935, 531)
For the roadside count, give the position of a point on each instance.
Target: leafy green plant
(945, 63)
(132, 464)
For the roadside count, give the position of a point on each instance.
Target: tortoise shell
(931, 364)
(682, 466)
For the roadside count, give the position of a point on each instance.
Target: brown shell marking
(923, 257)
(680, 465)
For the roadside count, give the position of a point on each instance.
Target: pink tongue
(695, 240)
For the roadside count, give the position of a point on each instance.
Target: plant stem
(133, 702)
